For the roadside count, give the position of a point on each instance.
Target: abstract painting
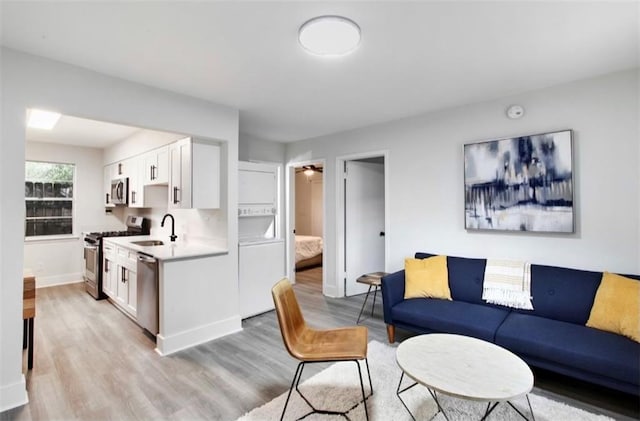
(520, 184)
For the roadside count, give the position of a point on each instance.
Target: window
(48, 191)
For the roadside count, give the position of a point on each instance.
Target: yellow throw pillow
(427, 278)
(616, 307)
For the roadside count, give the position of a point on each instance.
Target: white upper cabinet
(194, 176)
(156, 166)
(136, 187)
(108, 169)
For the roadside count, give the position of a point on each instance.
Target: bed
(308, 251)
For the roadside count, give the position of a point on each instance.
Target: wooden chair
(314, 346)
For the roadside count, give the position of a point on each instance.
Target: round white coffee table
(464, 367)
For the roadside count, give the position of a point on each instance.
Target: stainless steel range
(93, 260)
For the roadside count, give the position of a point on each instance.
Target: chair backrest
(290, 317)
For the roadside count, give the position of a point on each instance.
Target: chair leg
(366, 361)
(294, 382)
(364, 397)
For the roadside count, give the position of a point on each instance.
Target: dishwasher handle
(146, 259)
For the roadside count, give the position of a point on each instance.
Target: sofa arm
(392, 293)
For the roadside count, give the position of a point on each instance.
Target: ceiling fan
(309, 169)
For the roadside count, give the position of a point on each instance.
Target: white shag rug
(337, 388)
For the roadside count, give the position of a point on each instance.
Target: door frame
(341, 274)
(290, 194)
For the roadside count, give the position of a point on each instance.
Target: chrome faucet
(173, 235)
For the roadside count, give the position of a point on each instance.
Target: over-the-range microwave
(119, 191)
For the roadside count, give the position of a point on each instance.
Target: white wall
(309, 204)
(253, 149)
(60, 261)
(425, 167)
(30, 81)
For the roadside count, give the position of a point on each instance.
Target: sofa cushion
(465, 278)
(450, 317)
(616, 307)
(563, 294)
(426, 278)
(568, 344)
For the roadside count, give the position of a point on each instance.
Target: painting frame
(520, 183)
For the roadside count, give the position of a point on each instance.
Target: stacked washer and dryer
(261, 248)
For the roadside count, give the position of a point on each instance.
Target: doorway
(307, 223)
(364, 241)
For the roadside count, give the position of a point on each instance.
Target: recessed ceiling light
(329, 36)
(40, 119)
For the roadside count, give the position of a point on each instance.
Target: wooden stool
(28, 314)
(374, 280)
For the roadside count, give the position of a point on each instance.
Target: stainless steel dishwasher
(148, 293)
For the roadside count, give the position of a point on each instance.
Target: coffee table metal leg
(440, 408)
(490, 409)
(533, 418)
(398, 391)
(365, 303)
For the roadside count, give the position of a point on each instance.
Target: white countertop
(170, 250)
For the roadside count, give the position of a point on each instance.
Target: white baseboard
(13, 395)
(331, 291)
(166, 345)
(66, 278)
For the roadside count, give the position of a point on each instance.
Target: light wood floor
(93, 363)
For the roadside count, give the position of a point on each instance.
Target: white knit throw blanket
(507, 283)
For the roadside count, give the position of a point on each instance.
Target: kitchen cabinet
(107, 186)
(156, 167)
(109, 270)
(119, 276)
(141, 195)
(136, 187)
(194, 176)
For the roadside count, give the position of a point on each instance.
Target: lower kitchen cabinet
(119, 279)
(109, 270)
(127, 290)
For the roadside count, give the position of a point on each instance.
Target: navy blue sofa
(553, 336)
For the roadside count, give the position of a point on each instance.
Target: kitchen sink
(147, 243)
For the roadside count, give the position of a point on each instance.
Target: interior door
(364, 222)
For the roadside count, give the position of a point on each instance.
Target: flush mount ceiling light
(41, 119)
(329, 36)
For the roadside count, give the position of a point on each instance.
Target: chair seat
(349, 343)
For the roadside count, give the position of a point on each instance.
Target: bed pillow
(427, 278)
(616, 307)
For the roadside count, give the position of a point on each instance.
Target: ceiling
(415, 57)
(82, 132)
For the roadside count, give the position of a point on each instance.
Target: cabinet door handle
(120, 169)
(106, 265)
(133, 197)
(153, 172)
(107, 198)
(122, 277)
(175, 195)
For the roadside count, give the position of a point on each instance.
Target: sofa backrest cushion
(562, 293)
(465, 277)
